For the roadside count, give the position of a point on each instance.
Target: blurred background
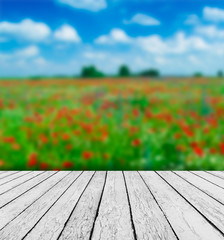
(59, 37)
(115, 85)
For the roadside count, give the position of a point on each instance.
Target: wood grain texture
(113, 220)
(209, 177)
(9, 196)
(149, 221)
(217, 174)
(210, 208)
(7, 174)
(12, 184)
(205, 186)
(18, 205)
(52, 223)
(185, 220)
(13, 177)
(81, 221)
(111, 205)
(22, 224)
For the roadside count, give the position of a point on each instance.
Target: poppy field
(112, 124)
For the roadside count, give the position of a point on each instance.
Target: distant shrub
(220, 74)
(124, 71)
(91, 72)
(36, 78)
(61, 76)
(150, 73)
(198, 74)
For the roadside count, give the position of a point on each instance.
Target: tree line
(123, 71)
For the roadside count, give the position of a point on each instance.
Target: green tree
(220, 74)
(91, 72)
(198, 74)
(150, 73)
(124, 71)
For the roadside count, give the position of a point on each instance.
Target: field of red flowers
(112, 124)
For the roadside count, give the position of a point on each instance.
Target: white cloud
(115, 36)
(192, 20)
(40, 61)
(193, 59)
(20, 55)
(210, 31)
(178, 44)
(26, 29)
(213, 14)
(161, 60)
(143, 19)
(91, 5)
(28, 52)
(67, 33)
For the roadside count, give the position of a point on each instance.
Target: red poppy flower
(32, 160)
(87, 155)
(16, 146)
(188, 131)
(213, 151)
(136, 142)
(68, 146)
(43, 166)
(88, 128)
(135, 112)
(222, 148)
(65, 137)
(181, 148)
(9, 139)
(106, 156)
(43, 139)
(1, 163)
(177, 135)
(67, 164)
(198, 151)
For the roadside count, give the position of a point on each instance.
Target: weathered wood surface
(111, 205)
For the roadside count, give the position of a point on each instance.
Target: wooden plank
(209, 177)
(9, 186)
(207, 206)
(205, 186)
(217, 174)
(52, 223)
(149, 220)
(113, 220)
(13, 177)
(80, 223)
(22, 224)
(14, 193)
(7, 174)
(17, 206)
(185, 220)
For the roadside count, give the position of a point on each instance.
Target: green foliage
(36, 78)
(220, 73)
(150, 73)
(112, 125)
(124, 71)
(91, 72)
(198, 74)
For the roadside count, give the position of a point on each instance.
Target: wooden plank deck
(112, 205)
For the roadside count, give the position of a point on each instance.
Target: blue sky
(49, 37)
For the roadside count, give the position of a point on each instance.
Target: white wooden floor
(112, 205)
